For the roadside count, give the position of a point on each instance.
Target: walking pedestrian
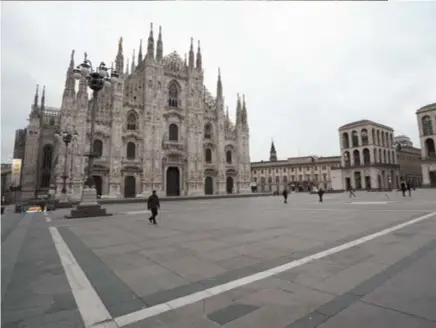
(409, 188)
(320, 194)
(285, 195)
(403, 188)
(351, 192)
(153, 205)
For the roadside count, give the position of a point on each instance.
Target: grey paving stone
(115, 294)
(361, 315)
(231, 313)
(170, 294)
(31, 300)
(412, 291)
(312, 320)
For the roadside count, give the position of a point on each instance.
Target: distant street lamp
(97, 78)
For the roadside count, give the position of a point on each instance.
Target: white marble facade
(157, 128)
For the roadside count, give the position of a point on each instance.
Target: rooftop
(426, 108)
(364, 122)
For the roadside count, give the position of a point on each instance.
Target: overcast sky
(305, 67)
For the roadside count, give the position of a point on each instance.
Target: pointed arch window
(208, 131)
(132, 123)
(131, 150)
(98, 148)
(208, 155)
(173, 95)
(229, 157)
(173, 132)
(47, 159)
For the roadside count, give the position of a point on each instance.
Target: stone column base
(88, 206)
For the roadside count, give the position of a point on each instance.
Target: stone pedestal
(88, 206)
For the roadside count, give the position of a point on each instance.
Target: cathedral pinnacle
(238, 110)
(199, 61)
(35, 101)
(140, 52)
(119, 59)
(159, 46)
(244, 111)
(191, 54)
(150, 46)
(127, 67)
(219, 87)
(132, 69)
(43, 98)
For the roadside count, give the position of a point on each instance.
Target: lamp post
(67, 137)
(97, 78)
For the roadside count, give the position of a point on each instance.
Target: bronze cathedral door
(173, 181)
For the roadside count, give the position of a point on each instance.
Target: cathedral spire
(191, 54)
(238, 110)
(186, 59)
(132, 69)
(119, 60)
(150, 46)
(244, 111)
(219, 86)
(199, 61)
(127, 67)
(70, 82)
(140, 52)
(159, 46)
(35, 100)
(43, 98)
(272, 153)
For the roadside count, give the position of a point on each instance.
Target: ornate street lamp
(67, 137)
(97, 78)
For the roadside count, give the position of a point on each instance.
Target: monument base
(88, 206)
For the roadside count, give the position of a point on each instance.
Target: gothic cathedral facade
(158, 128)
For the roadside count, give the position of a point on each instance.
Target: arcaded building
(427, 136)
(295, 173)
(409, 160)
(368, 156)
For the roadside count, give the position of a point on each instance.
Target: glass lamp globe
(77, 74)
(107, 83)
(114, 79)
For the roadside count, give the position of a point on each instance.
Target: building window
(355, 139)
(208, 155)
(131, 150)
(131, 121)
(254, 171)
(173, 132)
(98, 148)
(364, 135)
(347, 159)
(173, 94)
(427, 129)
(208, 131)
(429, 145)
(229, 157)
(345, 140)
(366, 156)
(324, 176)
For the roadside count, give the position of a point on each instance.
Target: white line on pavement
(140, 212)
(91, 307)
(195, 297)
(48, 219)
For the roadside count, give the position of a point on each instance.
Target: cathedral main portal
(173, 181)
(129, 186)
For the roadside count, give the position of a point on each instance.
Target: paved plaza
(368, 261)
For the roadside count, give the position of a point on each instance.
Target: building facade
(368, 156)
(158, 128)
(409, 160)
(427, 135)
(296, 173)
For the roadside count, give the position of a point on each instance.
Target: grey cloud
(306, 68)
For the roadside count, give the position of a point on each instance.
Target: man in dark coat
(153, 205)
(403, 188)
(285, 195)
(320, 194)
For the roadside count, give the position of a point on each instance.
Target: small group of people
(286, 193)
(406, 186)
